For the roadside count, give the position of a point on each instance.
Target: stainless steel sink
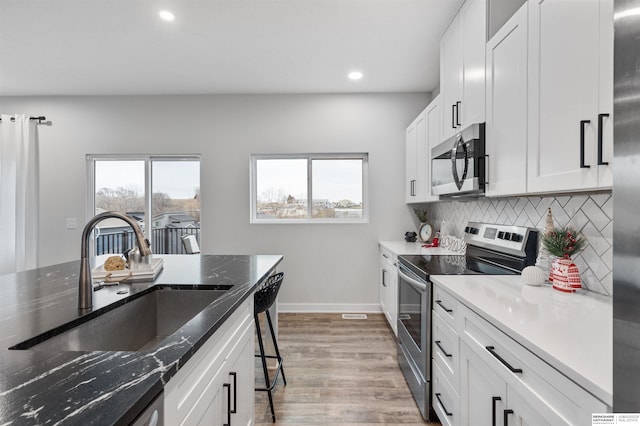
(139, 325)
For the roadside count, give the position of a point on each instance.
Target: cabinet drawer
(184, 389)
(446, 350)
(526, 373)
(446, 306)
(446, 401)
(387, 255)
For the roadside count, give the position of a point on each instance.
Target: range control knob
(507, 236)
(474, 230)
(501, 235)
(467, 230)
(516, 237)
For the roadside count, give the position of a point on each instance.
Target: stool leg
(267, 381)
(275, 345)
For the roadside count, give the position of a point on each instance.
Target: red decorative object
(565, 275)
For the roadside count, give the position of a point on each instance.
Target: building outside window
(309, 188)
(162, 193)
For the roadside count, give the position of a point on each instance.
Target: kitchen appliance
(491, 250)
(458, 164)
(153, 415)
(626, 238)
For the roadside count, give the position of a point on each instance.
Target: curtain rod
(40, 119)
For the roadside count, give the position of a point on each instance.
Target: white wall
(325, 264)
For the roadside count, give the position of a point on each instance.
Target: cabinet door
(473, 18)
(605, 171)
(450, 77)
(241, 377)
(433, 120)
(506, 127)
(482, 390)
(530, 411)
(411, 145)
(563, 94)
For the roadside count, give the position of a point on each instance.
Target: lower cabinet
(389, 287)
(501, 382)
(216, 386)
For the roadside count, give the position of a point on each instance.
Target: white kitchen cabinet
(506, 126)
(415, 143)
(462, 68)
(570, 95)
(202, 391)
(483, 375)
(421, 135)
(389, 287)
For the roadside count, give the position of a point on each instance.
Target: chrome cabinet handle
(437, 342)
(453, 116)
(600, 130)
(442, 405)
(384, 282)
(583, 123)
(492, 351)
(458, 105)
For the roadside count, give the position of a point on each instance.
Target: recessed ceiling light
(355, 75)
(166, 15)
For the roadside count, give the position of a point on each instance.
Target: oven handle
(420, 286)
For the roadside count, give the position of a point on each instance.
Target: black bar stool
(263, 298)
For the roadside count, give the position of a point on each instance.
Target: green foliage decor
(563, 242)
(421, 215)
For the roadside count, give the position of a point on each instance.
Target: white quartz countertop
(402, 247)
(572, 332)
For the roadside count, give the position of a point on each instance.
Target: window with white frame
(161, 192)
(309, 188)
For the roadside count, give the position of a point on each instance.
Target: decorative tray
(141, 272)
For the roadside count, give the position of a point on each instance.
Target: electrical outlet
(72, 223)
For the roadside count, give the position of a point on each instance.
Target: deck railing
(163, 241)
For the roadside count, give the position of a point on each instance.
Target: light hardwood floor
(339, 372)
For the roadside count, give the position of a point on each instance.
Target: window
(161, 193)
(313, 188)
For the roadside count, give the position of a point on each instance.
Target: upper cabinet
(422, 134)
(462, 69)
(570, 143)
(506, 127)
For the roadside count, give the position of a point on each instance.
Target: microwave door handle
(459, 181)
(422, 287)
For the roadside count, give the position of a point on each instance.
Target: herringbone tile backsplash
(591, 214)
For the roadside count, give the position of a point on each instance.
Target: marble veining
(104, 388)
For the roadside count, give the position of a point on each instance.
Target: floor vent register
(354, 316)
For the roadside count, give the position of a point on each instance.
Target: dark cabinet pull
(493, 409)
(582, 126)
(506, 416)
(458, 105)
(442, 349)
(235, 391)
(384, 282)
(228, 386)
(486, 169)
(439, 302)
(492, 351)
(600, 130)
(443, 407)
(453, 116)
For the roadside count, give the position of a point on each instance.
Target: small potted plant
(563, 243)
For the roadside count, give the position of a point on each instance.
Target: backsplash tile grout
(590, 214)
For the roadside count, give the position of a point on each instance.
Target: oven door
(414, 325)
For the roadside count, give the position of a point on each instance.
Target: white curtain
(18, 194)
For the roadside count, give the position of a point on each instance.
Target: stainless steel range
(491, 250)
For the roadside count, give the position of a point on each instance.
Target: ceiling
(115, 47)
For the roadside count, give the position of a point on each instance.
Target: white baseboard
(328, 308)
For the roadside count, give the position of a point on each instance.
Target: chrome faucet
(85, 290)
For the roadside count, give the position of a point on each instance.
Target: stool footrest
(275, 376)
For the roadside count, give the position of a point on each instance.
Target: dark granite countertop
(104, 388)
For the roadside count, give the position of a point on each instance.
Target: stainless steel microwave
(458, 164)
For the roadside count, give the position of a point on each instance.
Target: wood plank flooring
(339, 372)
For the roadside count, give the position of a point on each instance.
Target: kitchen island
(104, 387)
